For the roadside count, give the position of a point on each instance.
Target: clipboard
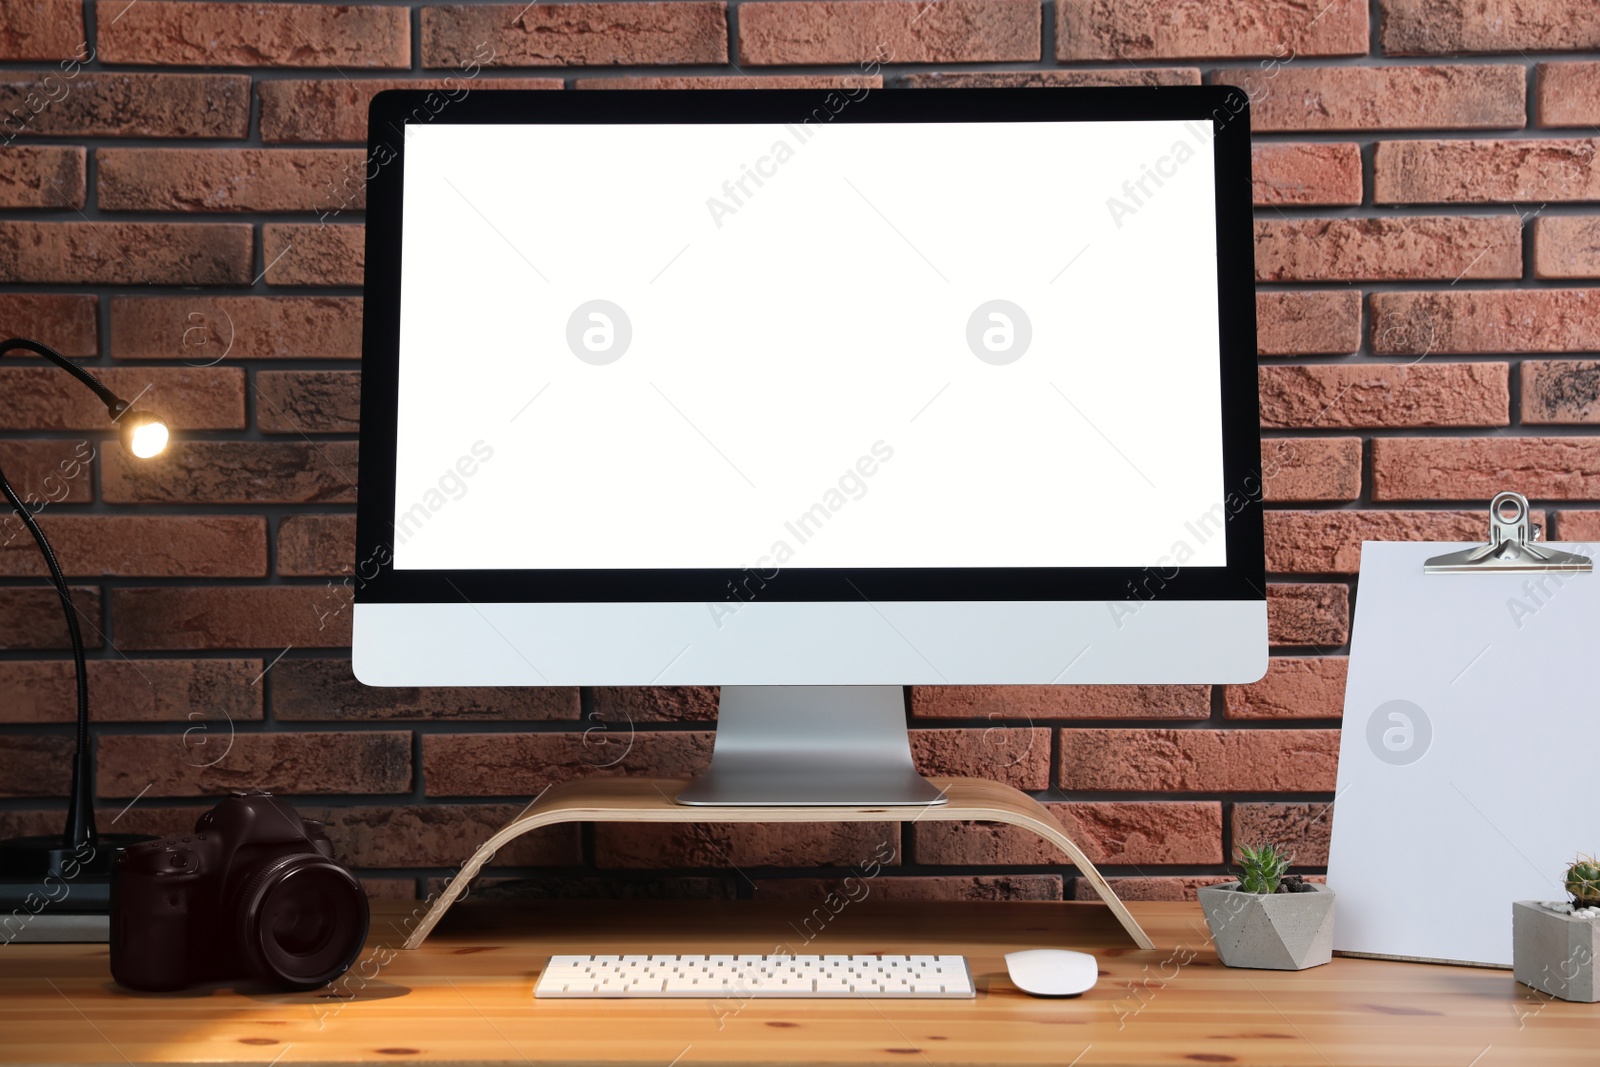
(1470, 741)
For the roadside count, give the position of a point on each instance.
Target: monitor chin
(813, 643)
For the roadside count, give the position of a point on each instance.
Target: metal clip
(1511, 548)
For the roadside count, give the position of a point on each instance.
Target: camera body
(254, 892)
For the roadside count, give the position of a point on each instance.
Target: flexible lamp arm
(80, 805)
(80, 829)
(114, 404)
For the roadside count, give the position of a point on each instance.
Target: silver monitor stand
(811, 746)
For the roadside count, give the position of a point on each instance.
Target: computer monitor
(810, 394)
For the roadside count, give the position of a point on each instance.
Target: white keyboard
(943, 977)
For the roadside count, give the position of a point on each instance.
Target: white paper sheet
(1466, 764)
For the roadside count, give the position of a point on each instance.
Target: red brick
(204, 329)
(126, 253)
(686, 703)
(986, 887)
(312, 254)
(67, 322)
(1329, 542)
(234, 472)
(733, 81)
(1583, 526)
(1478, 172)
(1431, 468)
(308, 401)
(125, 104)
(1560, 391)
(125, 690)
(219, 759)
(1308, 614)
(1296, 469)
(746, 845)
(363, 835)
(52, 472)
(41, 397)
(325, 689)
(43, 29)
(575, 34)
(401, 889)
(1313, 322)
(322, 110)
(174, 33)
(1129, 30)
(1486, 320)
(1296, 687)
(1306, 174)
(31, 617)
(1566, 246)
(1302, 829)
(42, 176)
(1170, 887)
(1016, 755)
(1447, 248)
(1034, 79)
(1285, 97)
(144, 546)
(231, 179)
(231, 616)
(1568, 94)
(610, 886)
(1282, 761)
(139, 819)
(36, 767)
(1435, 27)
(1035, 702)
(1385, 394)
(438, 835)
(888, 31)
(316, 546)
(1113, 832)
(459, 765)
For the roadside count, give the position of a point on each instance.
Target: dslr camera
(253, 893)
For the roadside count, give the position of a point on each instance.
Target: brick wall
(178, 208)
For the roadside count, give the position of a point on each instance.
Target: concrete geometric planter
(1270, 931)
(1555, 952)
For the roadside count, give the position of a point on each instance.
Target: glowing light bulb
(146, 436)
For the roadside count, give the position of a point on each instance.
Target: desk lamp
(79, 857)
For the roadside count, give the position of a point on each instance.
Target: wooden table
(465, 997)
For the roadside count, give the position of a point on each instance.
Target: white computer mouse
(1052, 972)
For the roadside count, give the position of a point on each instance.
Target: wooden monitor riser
(652, 800)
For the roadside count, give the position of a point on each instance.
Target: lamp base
(41, 872)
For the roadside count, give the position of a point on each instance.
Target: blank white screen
(788, 337)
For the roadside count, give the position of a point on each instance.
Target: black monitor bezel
(376, 580)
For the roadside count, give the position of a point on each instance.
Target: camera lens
(303, 920)
(299, 919)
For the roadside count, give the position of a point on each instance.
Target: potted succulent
(1554, 943)
(1268, 919)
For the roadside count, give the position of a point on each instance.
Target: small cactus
(1261, 868)
(1583, 882)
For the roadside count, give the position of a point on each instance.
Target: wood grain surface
(465, 997)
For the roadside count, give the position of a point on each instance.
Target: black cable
(80, 815)
(80, 827)
(113, 403)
